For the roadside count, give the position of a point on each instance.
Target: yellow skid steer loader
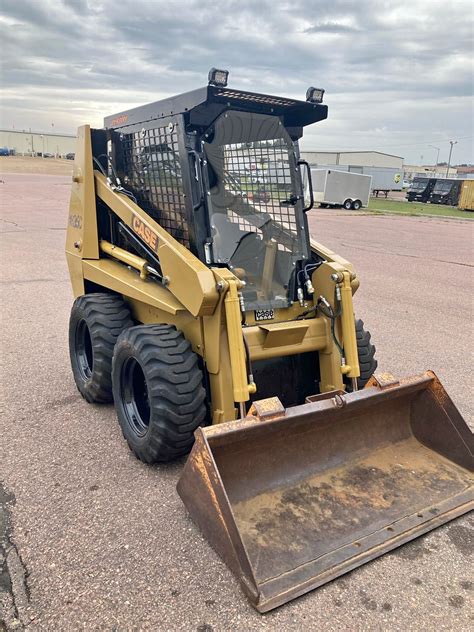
(214, 323)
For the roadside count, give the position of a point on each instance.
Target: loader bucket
(292, 499)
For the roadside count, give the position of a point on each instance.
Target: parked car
(47, 154)
(70, 156)
(4, 151)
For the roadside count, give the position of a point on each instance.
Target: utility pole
(437, 155)
(451, 142)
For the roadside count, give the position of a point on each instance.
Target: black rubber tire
(158, 392)
(366, 352)
(356, 205)
(347, 205)
(95, 323)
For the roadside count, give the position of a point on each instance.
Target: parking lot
(96, 540)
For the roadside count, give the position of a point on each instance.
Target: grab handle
(197, 178)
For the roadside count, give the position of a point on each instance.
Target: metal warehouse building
(386, 170)
(355, 160)
(30, 143)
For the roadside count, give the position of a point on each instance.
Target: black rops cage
(170, 156)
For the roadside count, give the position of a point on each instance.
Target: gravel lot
(35, 165)
(96, 540)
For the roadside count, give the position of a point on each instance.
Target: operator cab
(219, 169)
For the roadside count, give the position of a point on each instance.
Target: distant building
(386, 169)
(428, 171)
(31, 143)
(465, 172)
(355, 160)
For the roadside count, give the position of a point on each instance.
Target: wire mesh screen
(260, 172)
(153, 172)
(255, 207)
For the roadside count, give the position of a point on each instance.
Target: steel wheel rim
(135, 398)
(84, 353)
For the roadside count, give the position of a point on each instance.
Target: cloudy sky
(398, 75)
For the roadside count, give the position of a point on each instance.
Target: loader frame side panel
(188, 279)
(82, 238)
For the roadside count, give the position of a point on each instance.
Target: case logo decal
(120, 120)
(145, 233)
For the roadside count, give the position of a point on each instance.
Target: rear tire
(95, 323)
(347, 205)
(158, 392)
(356, 205)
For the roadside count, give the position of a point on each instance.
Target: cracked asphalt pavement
(93, 539)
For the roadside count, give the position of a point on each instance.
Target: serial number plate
(264, 314)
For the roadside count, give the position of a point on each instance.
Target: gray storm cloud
(398, 76)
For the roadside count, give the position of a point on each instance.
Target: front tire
(158, 392)
(366, 354)
(347, 205)
(95, 323)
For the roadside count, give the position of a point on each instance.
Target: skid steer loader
(212, 320)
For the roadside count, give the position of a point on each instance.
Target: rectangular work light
(218, 77)
(314, 95)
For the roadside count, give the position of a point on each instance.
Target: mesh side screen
(153, 173)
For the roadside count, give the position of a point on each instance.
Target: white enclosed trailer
(384, 179)
(341, 188)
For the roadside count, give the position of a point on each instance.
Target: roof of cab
(210, 101)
